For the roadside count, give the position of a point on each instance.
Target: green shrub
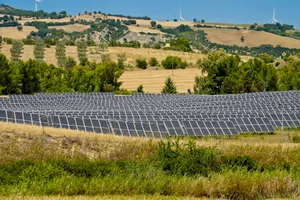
(235, 162)
(296, 139)
(140, 89)
(141, 63)
(122, 92)
(193, 160)
(153, 62)
(156, 46)
(174, 62)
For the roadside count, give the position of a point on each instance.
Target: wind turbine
(180, 16)
(36, 4)
(273, 20)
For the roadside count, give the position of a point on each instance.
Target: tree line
(32, 76)
(227, 74)
(8, 10)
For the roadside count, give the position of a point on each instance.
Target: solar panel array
(156, 115)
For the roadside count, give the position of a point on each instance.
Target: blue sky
(231, 11)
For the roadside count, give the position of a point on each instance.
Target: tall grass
(76, 164)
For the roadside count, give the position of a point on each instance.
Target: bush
(266, 58)
(296, 139)
(153, 62)
(141, 63)
(156, 46)
(174, 62)
(140, 89)
(70, 63)
(176, 159)
(159, 26)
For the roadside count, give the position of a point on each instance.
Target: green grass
(48, 166)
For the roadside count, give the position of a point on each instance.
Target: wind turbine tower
(273, 20)
(180, 15)
(36, 4)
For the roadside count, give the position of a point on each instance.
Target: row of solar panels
(161, 128)
(269, 95)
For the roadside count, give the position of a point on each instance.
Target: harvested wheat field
(165, 24)
(94, 55)
(12, 32)
(252, 38)
(144, 29)
(153, 80)
(72, 28)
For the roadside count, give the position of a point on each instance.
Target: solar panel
(156, 115)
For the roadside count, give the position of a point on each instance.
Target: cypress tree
(39, 50)
(61, 54)
(16, 50)
(81, 50)
(170, 87)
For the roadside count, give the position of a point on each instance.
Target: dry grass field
(252, 38)
(12, 32)
(153, 80)
(71, 28)
(144, 29)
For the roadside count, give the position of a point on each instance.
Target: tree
(153, 24)
(4, 75)
(1, 41)
(70, 63)
(20, 28)
(156, 46)
(175, 20)
(81, 51)
(31, 81)
(140, 89)
(202, 21)
(174, 62)
(61, 54)
(202, 85)
(39, 49)
(153, 62)
(266, 58)
(159, 26)
(103, 46)
(141, 63)
(181, 44)
(242, 39)
(16, 50)
(170, 87)
(121, 60)
(195, 20)
(105, 58)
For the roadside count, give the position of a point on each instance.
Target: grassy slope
(19, 142)
(252, 38)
